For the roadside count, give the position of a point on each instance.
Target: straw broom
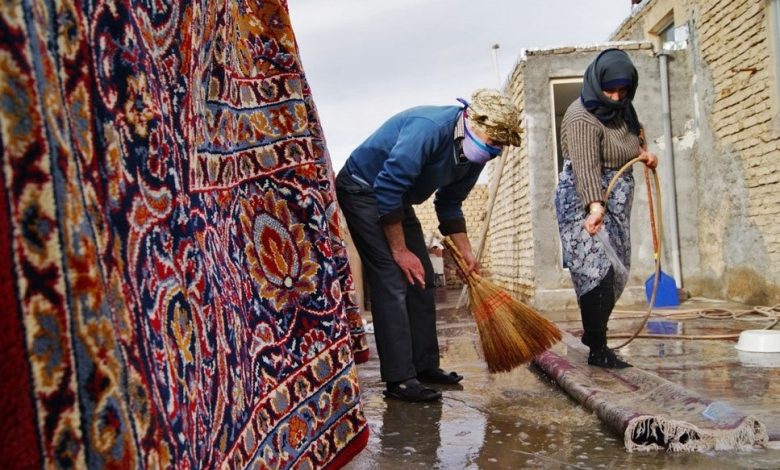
(511, 332)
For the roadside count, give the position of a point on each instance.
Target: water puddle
(522, 419)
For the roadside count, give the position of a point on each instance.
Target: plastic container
(762, 341)
(666, 296)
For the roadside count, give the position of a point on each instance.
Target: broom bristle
(511, 332)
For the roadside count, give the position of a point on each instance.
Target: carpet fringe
(651, 433)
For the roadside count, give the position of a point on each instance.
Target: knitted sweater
(592, 145)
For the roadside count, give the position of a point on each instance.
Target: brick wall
(737, 108)
(473, 211)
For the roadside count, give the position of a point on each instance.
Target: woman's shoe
(606, 358)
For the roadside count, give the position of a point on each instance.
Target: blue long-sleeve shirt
(412, 155)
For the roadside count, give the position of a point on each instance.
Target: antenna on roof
(495, 62)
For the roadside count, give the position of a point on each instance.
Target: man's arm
(448, 202)
(449, 198)
(418, 139)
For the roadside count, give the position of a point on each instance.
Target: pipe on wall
(668, 188)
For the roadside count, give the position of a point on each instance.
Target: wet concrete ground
(523, 420)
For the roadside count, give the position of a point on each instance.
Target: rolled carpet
(650, 412)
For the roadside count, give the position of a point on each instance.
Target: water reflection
(411, 431)
(758, 359)
(534, 427)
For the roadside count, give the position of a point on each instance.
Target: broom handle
(481, 241)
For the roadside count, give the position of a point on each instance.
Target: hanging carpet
(174, 285)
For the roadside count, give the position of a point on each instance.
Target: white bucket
(762, 341)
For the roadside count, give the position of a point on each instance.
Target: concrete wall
(733, 136)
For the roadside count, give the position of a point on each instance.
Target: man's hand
(411, 266)
(471, 262)
(406, 260)
(461, 241)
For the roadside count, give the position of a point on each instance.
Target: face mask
(476, 150)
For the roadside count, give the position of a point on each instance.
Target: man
(417, 152)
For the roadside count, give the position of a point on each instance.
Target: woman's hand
(595, 218)
(593, 222)
(649, 158)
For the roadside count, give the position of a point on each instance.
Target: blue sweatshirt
(411, 156)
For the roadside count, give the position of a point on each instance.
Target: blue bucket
(667, 291)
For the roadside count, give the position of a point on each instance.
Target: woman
(600, 132)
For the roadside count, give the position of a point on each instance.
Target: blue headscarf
(612, 68)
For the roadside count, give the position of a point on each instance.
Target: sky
(366, 60)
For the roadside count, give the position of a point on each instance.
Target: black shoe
(438, 376)
(411, 390)
(606, 358)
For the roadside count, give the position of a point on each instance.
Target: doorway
(563, 91)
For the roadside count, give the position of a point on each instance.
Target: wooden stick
(492, 194)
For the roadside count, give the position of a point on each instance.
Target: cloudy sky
(369, 59)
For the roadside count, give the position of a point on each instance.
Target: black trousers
(404, 315)
(595, 308)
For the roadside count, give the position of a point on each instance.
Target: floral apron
(584, 255)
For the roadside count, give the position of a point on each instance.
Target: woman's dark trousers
(595, 309)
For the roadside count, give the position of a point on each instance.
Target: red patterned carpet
(174, 286)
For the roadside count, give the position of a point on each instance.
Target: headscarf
(611, 68)
(494, 114)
